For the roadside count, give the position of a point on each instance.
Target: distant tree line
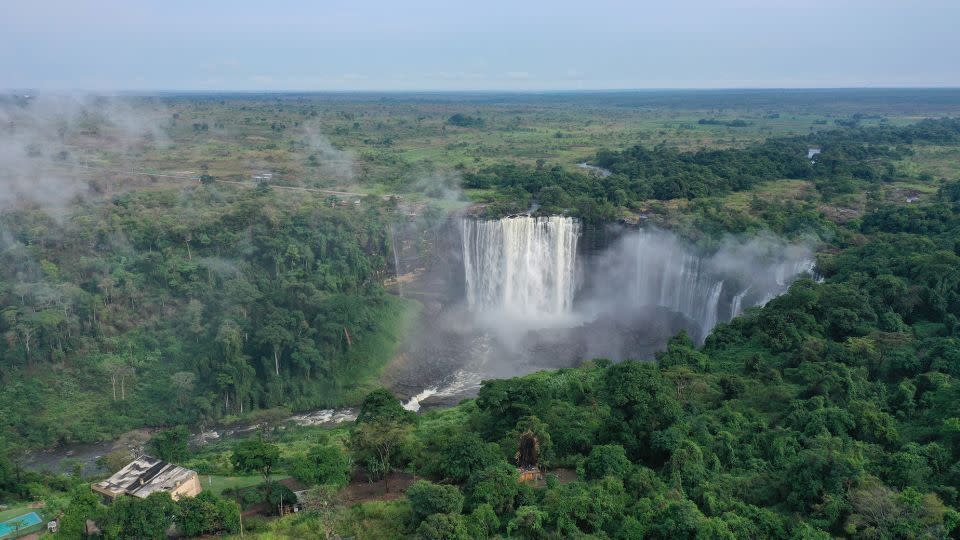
(728, 123)
(642, 173)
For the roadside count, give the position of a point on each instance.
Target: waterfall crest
(520, 265)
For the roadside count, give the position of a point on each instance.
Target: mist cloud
(49, 143)
(444, 185)
(333, 162)
(652, 267)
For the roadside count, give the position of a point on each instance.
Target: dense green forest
(166, 307)
(831, 411)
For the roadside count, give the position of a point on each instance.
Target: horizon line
(597, 90)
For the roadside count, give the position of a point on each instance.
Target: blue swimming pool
(7, 528)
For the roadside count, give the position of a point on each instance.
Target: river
(64, 457)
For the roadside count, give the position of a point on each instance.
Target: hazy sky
(479, 45)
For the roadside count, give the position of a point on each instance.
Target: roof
(144, 476)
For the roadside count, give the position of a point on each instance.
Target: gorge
(523, 293)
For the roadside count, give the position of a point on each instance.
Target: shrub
(427, 498)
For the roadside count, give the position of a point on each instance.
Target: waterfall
(710, 310)
(783, 274)
(523, 268)
(670, 273)
(520, 265)
(396, 261)
(736, 305)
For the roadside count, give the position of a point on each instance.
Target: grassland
(783, 190)
(219, 483)
(400, 143)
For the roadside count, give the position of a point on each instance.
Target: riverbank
(332, 406)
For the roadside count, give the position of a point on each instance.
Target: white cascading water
(524, 267)
(670, 276)
(736, 305)
(708, 290)
(520, 265)
(783, 275)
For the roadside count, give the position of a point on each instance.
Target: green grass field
(217, 483)
(780, 190)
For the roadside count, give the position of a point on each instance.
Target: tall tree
(378, 446)
(255, 455)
